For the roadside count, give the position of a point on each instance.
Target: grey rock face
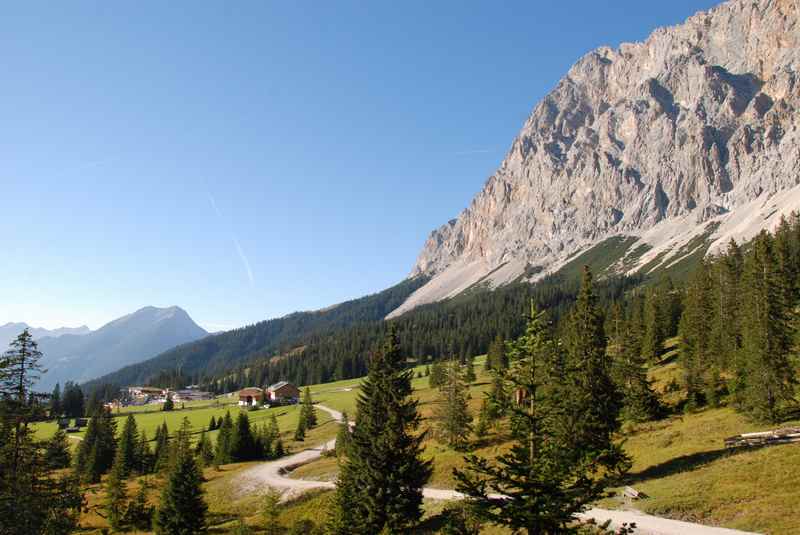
(699, 119)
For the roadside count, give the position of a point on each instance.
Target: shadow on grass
(684, 463)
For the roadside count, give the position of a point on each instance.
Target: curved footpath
(274, 474)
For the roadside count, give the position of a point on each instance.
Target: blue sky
(247, 159)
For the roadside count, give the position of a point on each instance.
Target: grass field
(200, 415)
(679, 462)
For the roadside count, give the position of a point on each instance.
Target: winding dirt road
(275, 474)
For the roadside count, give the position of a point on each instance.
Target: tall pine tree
(380, 481)
(542, 483)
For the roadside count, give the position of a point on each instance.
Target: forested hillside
(219, 353)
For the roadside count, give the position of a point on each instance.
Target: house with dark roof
(283, 392)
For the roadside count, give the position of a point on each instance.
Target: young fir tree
(484, 422)
(161, 449)
(343, 437)
(726, 273)
(55, 402)
(144, 455)
(694, 332)
(128, 446)
(590, 400)
(380, 481)
(116, 492)
(271, 435)
(496, 358)
(271, 513)
(97, 449)
(222, 452)
(57, 452)
(212, 424)
(139, 512)
(654, 335)
(436, 378)
(204, 450)
(278, 449)
(469, 370)
(182, 510)
(32, 498)
(243, 444)
(766, 335)
(542, 482)
(300, 430)
(451, 413)
(640, 401)
(309, 412)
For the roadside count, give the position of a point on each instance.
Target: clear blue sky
(330, 136)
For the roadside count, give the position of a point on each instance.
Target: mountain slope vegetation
(269, 339)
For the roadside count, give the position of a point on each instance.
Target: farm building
(283, 392)
(251, 396)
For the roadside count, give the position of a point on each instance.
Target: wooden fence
(764, 438)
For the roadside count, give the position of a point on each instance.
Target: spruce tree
(139, 512)
(204, 450)
(271, 512)
(300, 430)
(768, 378)
(590, 400)
(143, 455)
(309, 413)
(469, 370)
(97, 449)
(654, 335)
(380, 481)
(496, 358)
(32, 498)
(436, 377)
(161, 449)
(726, 273)
(271, 436)
(641, 403)
(55, 402)
(57, 452)
(343, 436)
(542, 483)
(222, 452)
(212, 424)
(116, 492)
(278, 450)
(182, 510)
(128, 446)
(451, 413)
(243, 444)
(695, 341)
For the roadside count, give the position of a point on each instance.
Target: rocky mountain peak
(655, 140)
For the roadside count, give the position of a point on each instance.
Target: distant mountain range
(124, 341)
(9, 331)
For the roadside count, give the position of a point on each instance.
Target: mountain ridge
(126, 340)
(10, 330)
(690, 133)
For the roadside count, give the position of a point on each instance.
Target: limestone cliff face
(695, 122)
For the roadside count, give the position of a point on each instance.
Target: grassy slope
(679, 462)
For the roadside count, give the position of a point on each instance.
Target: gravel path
(274, 474)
